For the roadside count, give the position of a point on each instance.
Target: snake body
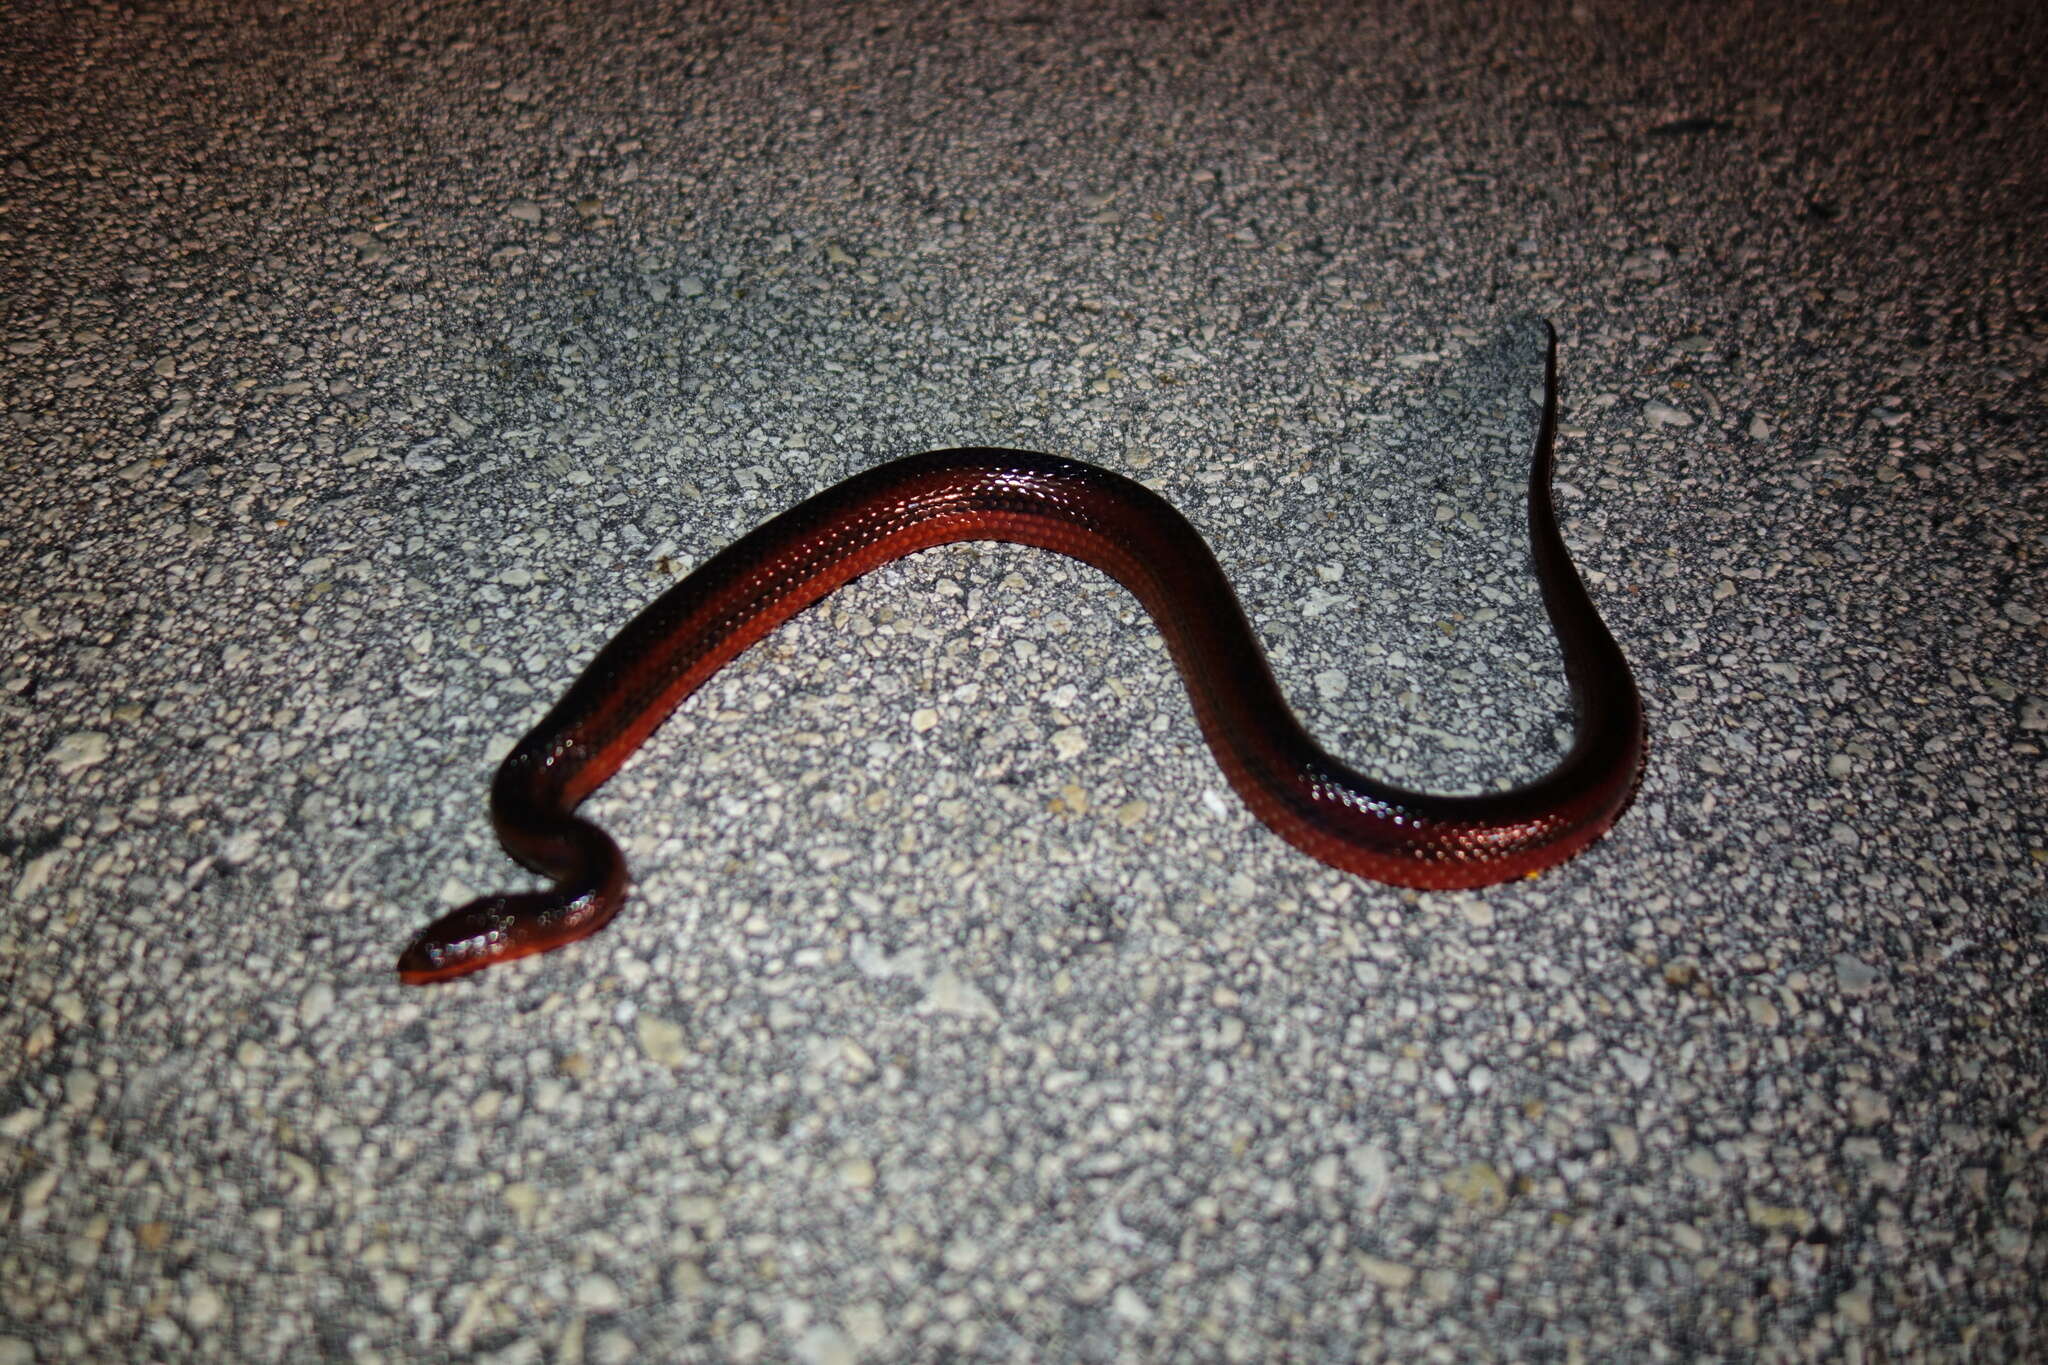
(1306, 796)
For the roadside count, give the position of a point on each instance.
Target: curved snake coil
(1307, 797)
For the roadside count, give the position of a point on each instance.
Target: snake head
(464, 940)
(499, 928)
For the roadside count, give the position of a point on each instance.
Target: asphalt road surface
(365, 366)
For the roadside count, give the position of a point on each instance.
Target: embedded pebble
(1854, 975)
(1386, 1274)
(824, 1345)
(598, 1294)
(37, 873)
(866, 1326)
(1372, 1173)
(948, 993)
(204, 1307)
(76, 752)
(315, 1004)
(1479, 1185)
(661, 1040)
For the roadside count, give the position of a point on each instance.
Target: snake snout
(461, 941)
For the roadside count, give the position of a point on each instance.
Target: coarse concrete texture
(367, 364)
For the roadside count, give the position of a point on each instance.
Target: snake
(1306, 796)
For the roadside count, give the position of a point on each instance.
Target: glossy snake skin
(1307, 797)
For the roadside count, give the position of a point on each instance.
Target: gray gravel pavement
(366, 365)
